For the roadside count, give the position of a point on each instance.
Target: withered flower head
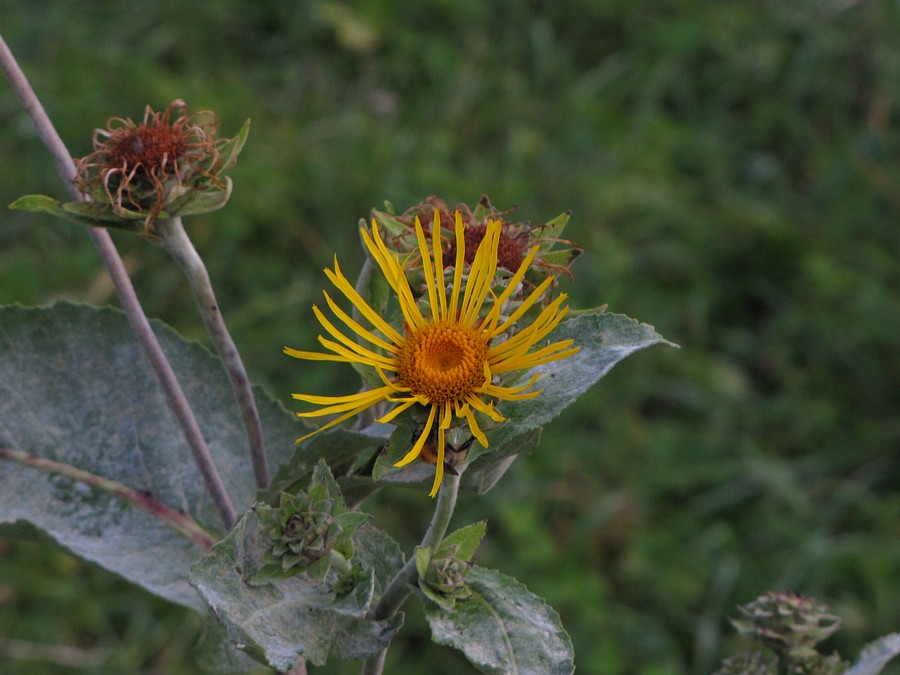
(516, 238)
(157, 167)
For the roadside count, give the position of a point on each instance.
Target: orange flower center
(150, 148)
(443, 362)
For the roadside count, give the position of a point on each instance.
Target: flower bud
(442, 577)
(788, 627)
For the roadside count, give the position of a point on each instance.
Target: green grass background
(734, 175)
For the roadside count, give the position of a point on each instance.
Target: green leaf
(389, 221)
(277, 622)
(503, 628)
(482, 209)
(76, 387)
(562, 257)
(876, 655)
(423, 555)
(233, 147)
(604, 339)
(378, 290)
(552, 230)
(204, 201)
(465, 539)
(91, 214)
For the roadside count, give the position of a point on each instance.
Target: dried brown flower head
(142, 170)
(516, 239)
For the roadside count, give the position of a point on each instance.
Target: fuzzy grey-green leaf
(503, 628)
(76, 387)
(604, 339)
(233, 147)
(465, 539)
(204, 201)
(279, 621)
(90, 214)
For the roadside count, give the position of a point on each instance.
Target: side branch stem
(181, 523)
(179, 246)
(400, 587)
(130, 303)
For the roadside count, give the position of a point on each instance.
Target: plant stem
(181, 523)
(130, 303)
(179, 246)
(400, 587)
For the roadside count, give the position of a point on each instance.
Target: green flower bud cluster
(443, 571)
(304, 532)
(309, 531)
(443, 579)
(789, 626)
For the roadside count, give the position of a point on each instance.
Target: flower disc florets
(442, 362)
(148, 151)
(142, 170)
(510, 252)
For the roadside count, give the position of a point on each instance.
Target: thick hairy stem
(400, 587)
(181, 523)
(130, 303)
(179, 246)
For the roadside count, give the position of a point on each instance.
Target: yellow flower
(451, 359)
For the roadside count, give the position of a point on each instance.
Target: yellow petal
(458, 267)
(417, 448)
(340, 282)
(438, 465)
(427, 268)
(357, 328)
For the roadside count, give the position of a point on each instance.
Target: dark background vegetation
(733, 172)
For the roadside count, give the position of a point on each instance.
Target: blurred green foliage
(734, 173)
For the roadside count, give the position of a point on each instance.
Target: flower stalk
(401, 586)
(127, 295)
(176, 241)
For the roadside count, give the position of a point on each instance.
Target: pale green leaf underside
(76, 387)
(876, 655)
